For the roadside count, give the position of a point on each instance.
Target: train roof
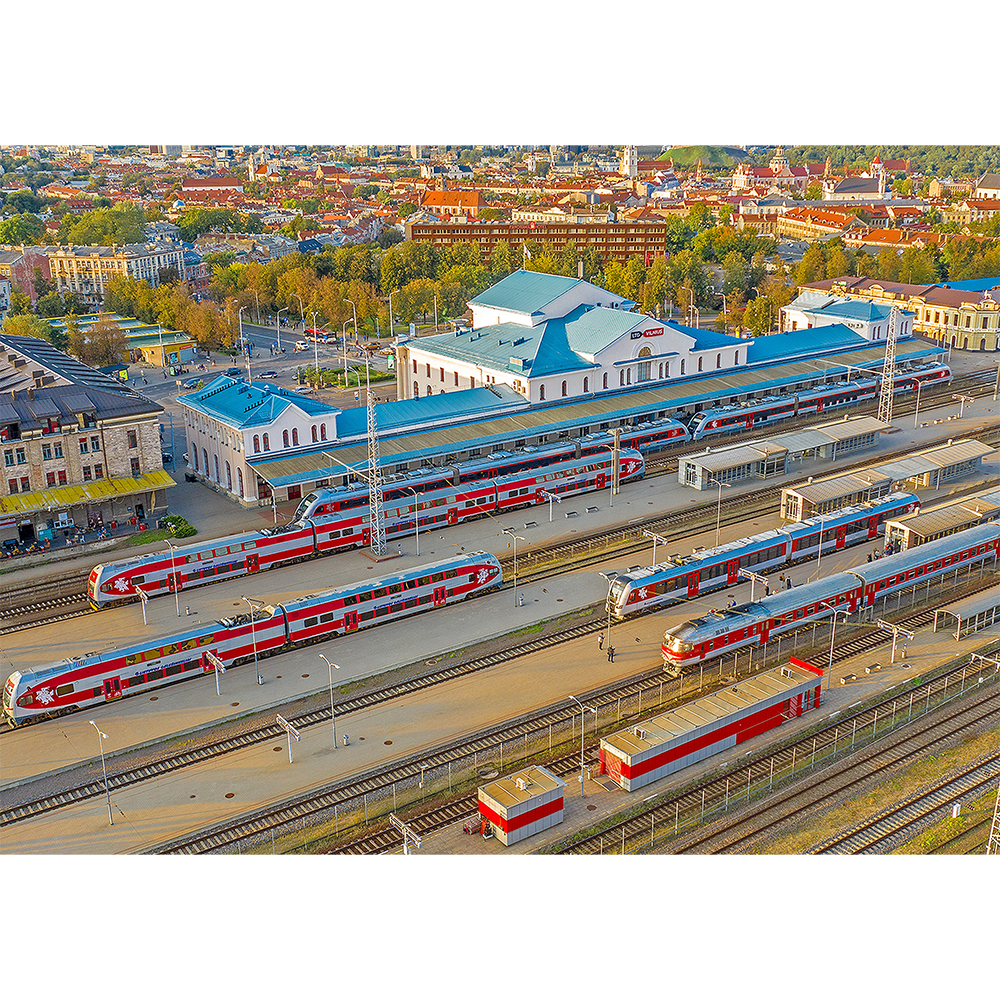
(854, 510)
(928, 552)
(179, 551)
(752, 612)
(452, 562)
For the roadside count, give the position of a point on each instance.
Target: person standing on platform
(611, 654)
(600, 640)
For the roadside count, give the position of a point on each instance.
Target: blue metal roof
(974, 284)
(239, 404)
(706, 340)
(802, 343)
(461, 404)
(527, 292)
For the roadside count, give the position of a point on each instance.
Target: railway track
(880, 832)
(717, 794)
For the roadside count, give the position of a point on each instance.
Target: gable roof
(240, 404)
(528, 292)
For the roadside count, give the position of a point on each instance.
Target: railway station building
(943, 519)
(774, 455)
(927, 469)
(523, 804)
(656, 747)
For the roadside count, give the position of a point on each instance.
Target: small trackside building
(522, 804)
(662, 745)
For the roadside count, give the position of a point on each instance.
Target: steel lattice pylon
(375, 503)
(888, 370)
(993, 844)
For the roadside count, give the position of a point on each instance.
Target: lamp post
(510, 531)
(315, 345)
(243, 346)
(253, 635)
(583, 716)
(435, 314)
(343, 337)
(718, 510)
(177, 579)
(964, 399)
(102, 736)
(355, 310)
(996, 388)
(302, 311)
(257, 300)
(416, 516)
(333, 716)
(833, 632)
(393, 292)
(819, 555)
(917, 410)
(277, 326)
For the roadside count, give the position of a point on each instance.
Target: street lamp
(253, 634)
(355, 309)
(257, 300)
(393, 292)
(103, 737)
(917, 410)
(332, 666)
(718, 511)
(833, 632)
(964, 399)
(243, 346)
(583, 716)
(302, 311)
(277, 325)
(177, 579)
(510, 531)
(343, 337)
(315, 345)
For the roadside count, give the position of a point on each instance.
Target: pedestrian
(611, 654)
(600, 640)
(781, 579)
(767, 590)
(869, 557)
(788, 583)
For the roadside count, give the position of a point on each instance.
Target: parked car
(270, 373)
(305, 388)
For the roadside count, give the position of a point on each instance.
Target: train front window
(616, 591)
(302, 507)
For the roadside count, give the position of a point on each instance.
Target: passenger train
(346, 523)
(99, 677)
(757, 622)
(819, 399)
(705, 570)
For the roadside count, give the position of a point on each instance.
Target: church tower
(629, 162)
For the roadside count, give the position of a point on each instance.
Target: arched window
(605, 380)
(472, 381)
(564, 388)
(982, 344)
(239, 480)
(661, 369)
(414, 368)
(256, 444)
(315, 433)
(644, 370)
(682, 366)
(204, 455)
(442, 374)
(428, 369)
(586, 385)
(322, 432)
(736, 358)
(430, 391)
(628, 376)
(267, 443)
(295, 436)
(718, 361)
(621, 377)
(229, 478)
(701, 363)
(456, 378)
(416, 391)
(218, 478)
(666, 370)
(541, 392)
(195, 451)
(284, 439)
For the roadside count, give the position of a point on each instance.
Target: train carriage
(98, 677)
(641, 588)
(756, 623)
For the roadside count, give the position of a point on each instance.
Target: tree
(502, 260)
(122, 224)
(50, 304)
(735, 273)
(27, 325)
(23, 201)
(814, 192)
(21, 229)
(20, 304)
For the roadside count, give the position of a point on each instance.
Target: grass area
(893, 789)
(143, 537)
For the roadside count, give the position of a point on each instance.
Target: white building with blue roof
(868, 319)
(550, 337)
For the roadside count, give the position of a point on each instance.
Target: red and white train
(770, 410)
(681, 577)
(726, 630)
(348, 525)
(95, 678)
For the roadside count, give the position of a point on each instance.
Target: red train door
(693, 580)
(350, 621)
(749, 421)
(253, 563)
(453, 515)
(174, 580)
(841, 536)
(440, 596)
(600, 480)
(873, 526)
(366, 536)
(819, 405)
(112, 688)
(765, 631)
(732, 571)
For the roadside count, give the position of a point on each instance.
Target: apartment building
(86, 270)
